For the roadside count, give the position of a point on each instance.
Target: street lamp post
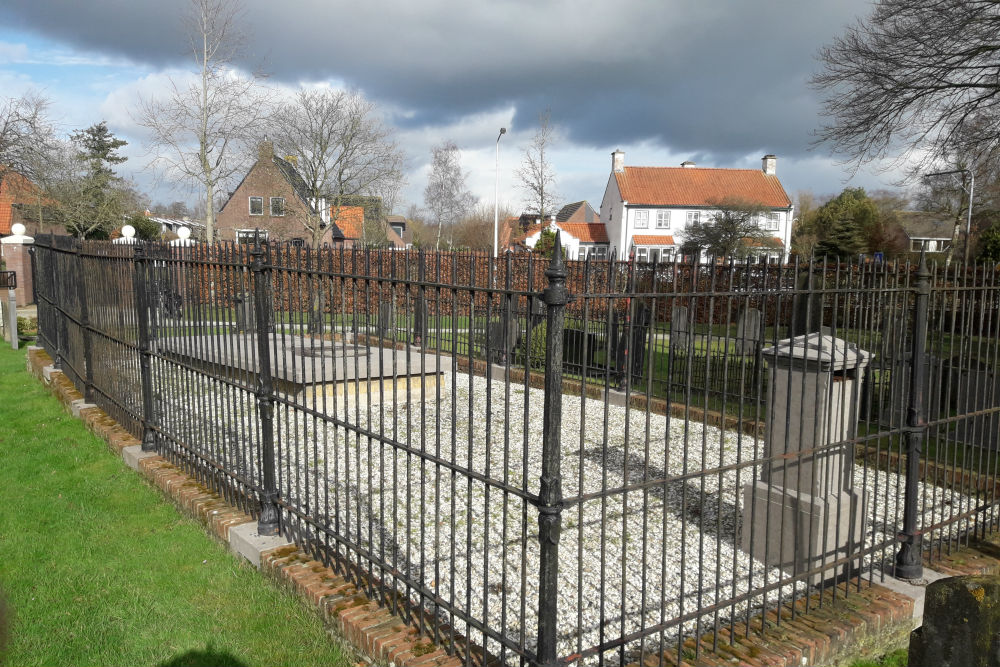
(496, 196)
(971, 191)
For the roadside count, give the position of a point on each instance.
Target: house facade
(646, 209)
(272, 197)
(580, 240)
(931, 232)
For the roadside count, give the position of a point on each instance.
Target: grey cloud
(719, 78)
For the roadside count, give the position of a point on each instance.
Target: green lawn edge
(98, 568)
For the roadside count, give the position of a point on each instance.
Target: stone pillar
(15, 253)
(804, 511)
(748, 331)
(680, 328)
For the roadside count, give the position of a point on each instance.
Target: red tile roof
(586, 232)
(652, 239)
(698, 186)
(351, 220)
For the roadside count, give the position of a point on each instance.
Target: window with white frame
(277, 206)
(663, 219)
(256, 206)
(247, 235)
(642, 219)
(693, 217)
(642, 254)
(770, 222)
(599, 252)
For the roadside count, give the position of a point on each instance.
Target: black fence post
(145, 348)
(55, 306)
(555, 297)
(269, 521)
(909, 561)
(88, 354)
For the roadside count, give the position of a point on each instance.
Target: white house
(580, 240)
(646, 209)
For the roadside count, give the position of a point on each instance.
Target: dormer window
(256, 206)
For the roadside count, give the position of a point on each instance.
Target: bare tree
(735, 231)
(911, 75)
(25, 135)
(446, 195)
(201, 128)
(535, 173)
(342, 149)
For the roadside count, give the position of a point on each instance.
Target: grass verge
(99, 569)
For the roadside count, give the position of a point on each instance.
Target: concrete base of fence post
(961, 624)
(77, 406)
(47, 372)
(132, 455)
(244, 540)
(796, 531)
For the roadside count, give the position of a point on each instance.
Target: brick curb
(372, 629)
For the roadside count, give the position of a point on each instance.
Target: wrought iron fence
(555, 462)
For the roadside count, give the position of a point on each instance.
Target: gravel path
(633, 559)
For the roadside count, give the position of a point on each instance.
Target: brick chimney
(769, 164)
(265, 150)
(618, 161)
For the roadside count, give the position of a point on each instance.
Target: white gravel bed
(629, 561)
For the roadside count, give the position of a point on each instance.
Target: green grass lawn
(98, 569)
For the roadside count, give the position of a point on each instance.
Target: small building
(931, 232)
(647, 209)
(273, 197)
(580, 240)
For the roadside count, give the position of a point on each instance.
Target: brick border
(831, 627)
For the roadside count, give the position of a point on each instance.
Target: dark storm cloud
(715, 77)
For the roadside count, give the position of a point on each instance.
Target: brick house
(273, 197)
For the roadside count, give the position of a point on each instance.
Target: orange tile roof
(351, 220)
(586, 232)
(699, 186)
(652, 239)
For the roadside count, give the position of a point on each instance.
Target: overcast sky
(720, 82)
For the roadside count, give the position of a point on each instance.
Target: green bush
(27, 326)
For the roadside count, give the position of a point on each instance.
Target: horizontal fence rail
(541, 461)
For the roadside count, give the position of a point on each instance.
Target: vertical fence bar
(88, 346)
(145, 349)
(909, 563)
(54, 304)
(268, 523)
(555, 296)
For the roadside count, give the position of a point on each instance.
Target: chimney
(265, 150)
(769, 164)
(618, 161)
(688, 164)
